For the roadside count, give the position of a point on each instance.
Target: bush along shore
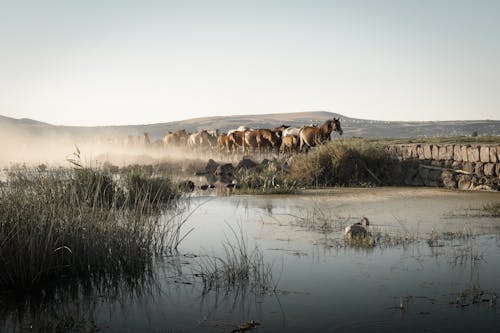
(342, 163)
(347, 162)
(83, 222)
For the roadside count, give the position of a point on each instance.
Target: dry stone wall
(462, 166)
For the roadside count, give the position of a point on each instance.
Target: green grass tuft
(266, 179)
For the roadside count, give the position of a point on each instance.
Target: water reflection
(72, 305)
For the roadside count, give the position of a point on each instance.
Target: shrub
(348, 162)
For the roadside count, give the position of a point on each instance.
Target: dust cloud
(22, 147)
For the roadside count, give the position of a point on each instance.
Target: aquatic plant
(268, 178)
(239, 268)
(142, 187)
(73, 223)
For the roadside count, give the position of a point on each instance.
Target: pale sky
(115, 62)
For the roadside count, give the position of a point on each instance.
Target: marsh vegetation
(348, 162)
(81, 222)
(240, 267)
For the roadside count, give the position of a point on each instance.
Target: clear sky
(104, 62)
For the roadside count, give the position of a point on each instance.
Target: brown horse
(177, 138)
(310, 136)
(138, 140)
(271, 139)
(262, 140)
(237, 139)
(224, 144)
(168, 138)
(289, 144)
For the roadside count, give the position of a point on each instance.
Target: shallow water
(320, 283)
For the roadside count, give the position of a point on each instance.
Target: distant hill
(353, 127)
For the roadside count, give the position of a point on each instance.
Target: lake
(435, 267)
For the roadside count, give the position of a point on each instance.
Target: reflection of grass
(493, 209)
(475, 295)
(320, 219)
(239, 268)
(72, 306)
(486, 210)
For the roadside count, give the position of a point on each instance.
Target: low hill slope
(31, 129)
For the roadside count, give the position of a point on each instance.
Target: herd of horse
(283, 139)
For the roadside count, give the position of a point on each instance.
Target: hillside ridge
(353, 127)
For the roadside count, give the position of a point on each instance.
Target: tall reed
(239, 268)
(80, 222)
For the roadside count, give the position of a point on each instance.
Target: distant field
(440, 140)
(28, 131)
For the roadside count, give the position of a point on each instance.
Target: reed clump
(270, 178)
(142, 187)
(240, 268)
(79, 223)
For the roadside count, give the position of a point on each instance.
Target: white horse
(239, 129)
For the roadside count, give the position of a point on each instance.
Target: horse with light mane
(239, 129)
(237, 139)
(224, 144)
(202, 140)
(291, 131)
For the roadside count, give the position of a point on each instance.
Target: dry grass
(440, 140)
(353, 162)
